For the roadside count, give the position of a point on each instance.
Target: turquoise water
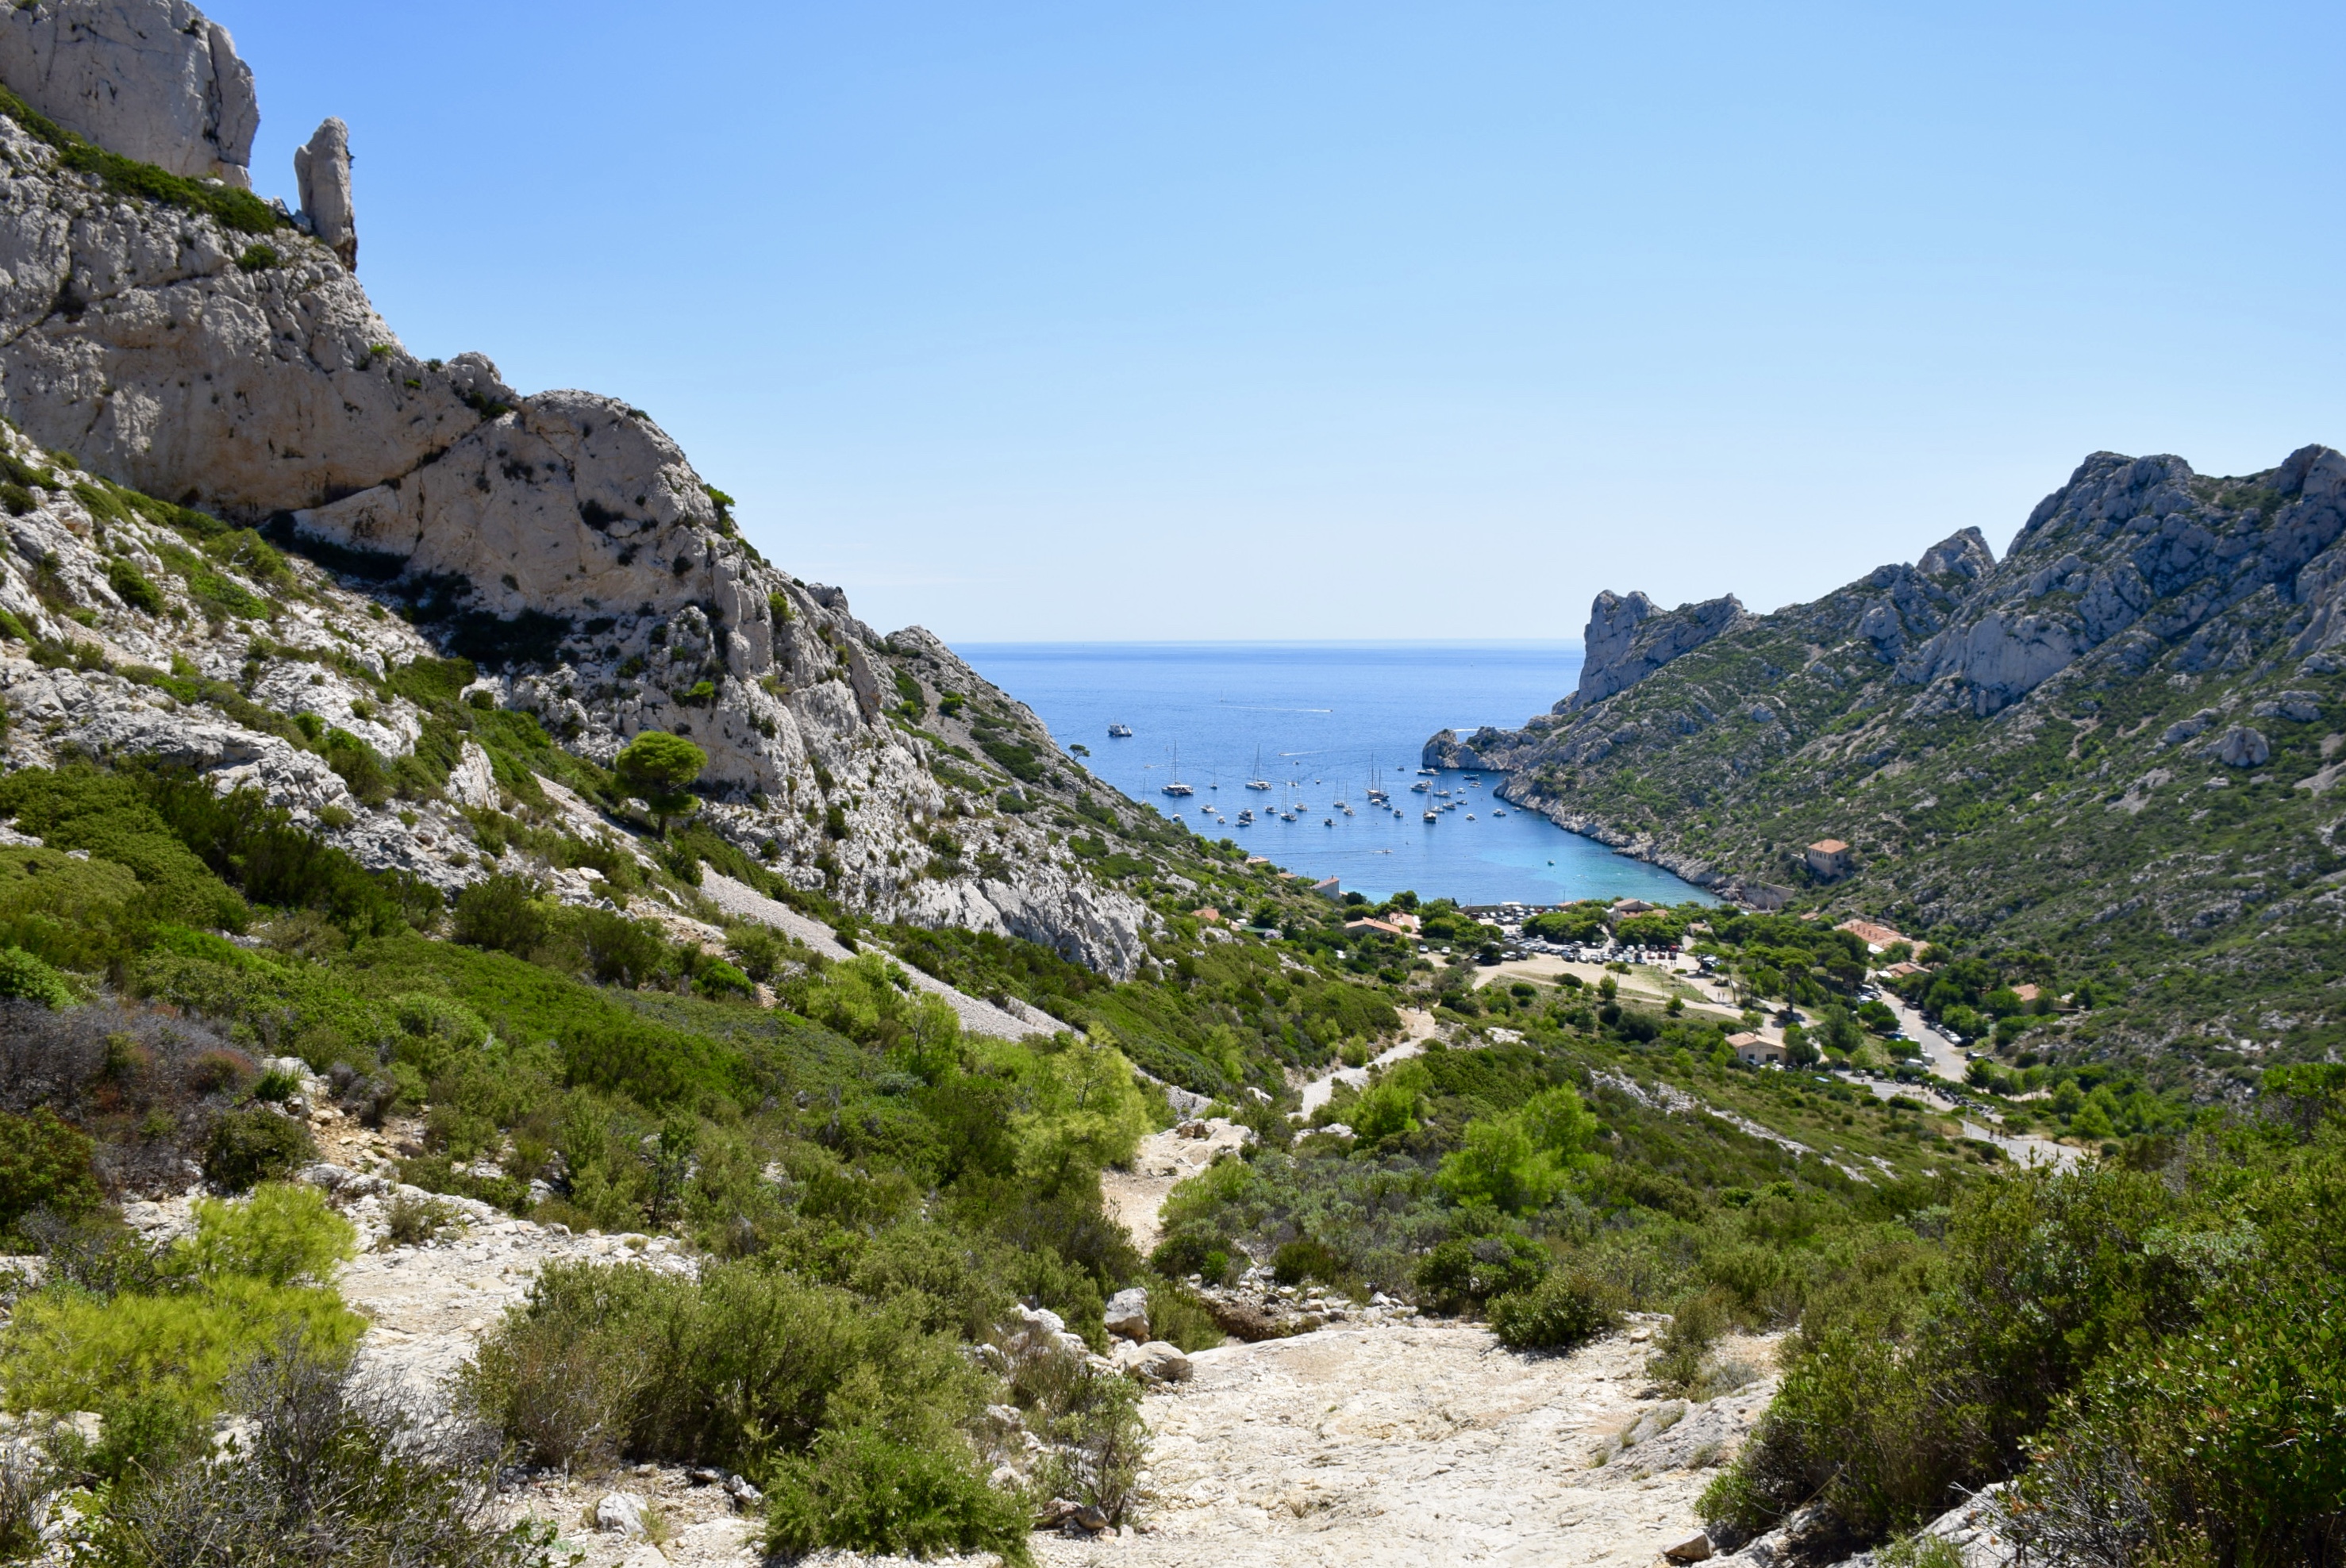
(1321, 716)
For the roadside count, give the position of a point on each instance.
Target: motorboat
(1432, 814)
(1329, 823)
(1498, 811)
(1120, 732)
(1470, 816)
(1246, 819)
(1419, 787)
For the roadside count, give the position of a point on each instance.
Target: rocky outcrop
(2143, 542)
(151, 79)
(321, 174)
(1628, 639)
(561, 541)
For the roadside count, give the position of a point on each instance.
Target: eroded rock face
(2142, 543)
(562, 541)
(1628, 639)
(151, 79)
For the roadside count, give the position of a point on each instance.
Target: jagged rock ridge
(2039, 745)
(562, 540)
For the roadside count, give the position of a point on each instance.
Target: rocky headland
(2120, 736)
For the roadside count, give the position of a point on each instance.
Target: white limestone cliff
(151, 79)
(562, 540)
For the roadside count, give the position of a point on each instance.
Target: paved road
(2021, 1148)
(1942, 1055)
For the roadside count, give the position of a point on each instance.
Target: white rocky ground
(1134, 1196)
(1381, 1438)
(1420, 1443)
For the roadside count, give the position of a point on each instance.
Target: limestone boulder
(154, 81)
(321, 174)
(621, 1513)
(1127, 1314)
(2243, 746)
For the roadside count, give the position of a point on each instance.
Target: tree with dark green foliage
(661, 768)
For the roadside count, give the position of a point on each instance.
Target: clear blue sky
(1027, 320)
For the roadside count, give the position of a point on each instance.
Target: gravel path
(1414, 1445)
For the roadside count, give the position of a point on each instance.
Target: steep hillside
(168, 336)
(2116, 744)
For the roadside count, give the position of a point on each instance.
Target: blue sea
(1323, 718)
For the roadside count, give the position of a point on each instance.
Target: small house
(1828, 858)
(1368, 927)
(1753, 1051)
(1876, 937)
(1330, 889)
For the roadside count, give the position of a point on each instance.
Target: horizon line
(1575, 644)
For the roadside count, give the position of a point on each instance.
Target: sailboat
(1258, 781)
(1177, 788)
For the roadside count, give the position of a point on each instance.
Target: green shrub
(109, 815)
(131, 587)
(738, 1369)
(1463, 1274)
(281, 1235)
(241, 837)
(162, 1355)
(720, 979)
(862, 1489)
(329, 1474)
(22, 974)
(503, 912)
(1099, 1446)
(618, 951)
(360, 765)
(1304, 1258)
(255, 1146)
(1178, 1315)
(1562, 1313)
(1696, 1324)
(44, 1163)
(257, 258)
